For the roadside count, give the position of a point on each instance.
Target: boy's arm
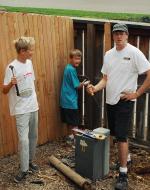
(101, 85)
(6, 88)
(81, 85)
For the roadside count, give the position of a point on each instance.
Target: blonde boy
(23, 104)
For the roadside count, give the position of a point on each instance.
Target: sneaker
(122, 182)
(21, 175)
(33, 167)
(70, 139)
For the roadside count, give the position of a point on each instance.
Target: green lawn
(79, 13)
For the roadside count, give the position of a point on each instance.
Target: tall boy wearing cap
(122, 65)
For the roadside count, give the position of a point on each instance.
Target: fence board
(148, 121)
(107, 37)
(140, 117)
(6, 132)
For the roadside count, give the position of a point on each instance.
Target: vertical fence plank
(148, 122)
(7, 139)
(132, 39)
(107, 46)
(140, 117)
(107, 37)
(1, 95)
(98, 54)
(141, 102)
(89, 67)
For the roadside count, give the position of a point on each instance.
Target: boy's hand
(90, 89)
(13, 81)
(86, 83)
(129, 96)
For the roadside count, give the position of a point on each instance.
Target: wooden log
(75, 177)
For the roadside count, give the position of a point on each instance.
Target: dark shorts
(70, 116)
(119, 119)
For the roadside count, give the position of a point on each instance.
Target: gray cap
(120, 27)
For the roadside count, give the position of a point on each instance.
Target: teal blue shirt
(69, 91)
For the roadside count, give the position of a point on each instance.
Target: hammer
(16, 86)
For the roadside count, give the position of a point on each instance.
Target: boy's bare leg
(111, 142)
(123, 153)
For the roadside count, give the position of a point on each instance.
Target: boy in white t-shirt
(19, 85)
(122, 65)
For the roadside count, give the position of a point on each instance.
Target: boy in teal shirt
(69, 91)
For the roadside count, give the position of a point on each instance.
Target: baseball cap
(120, 27)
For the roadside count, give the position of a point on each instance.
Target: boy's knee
(24, 141)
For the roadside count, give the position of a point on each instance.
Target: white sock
(123, 169)
(129, 158)
(71, 136)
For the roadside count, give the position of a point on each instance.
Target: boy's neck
(72, 64)
(21, 59)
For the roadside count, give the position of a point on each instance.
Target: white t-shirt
(122, 69)
(27, 101)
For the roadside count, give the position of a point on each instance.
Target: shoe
(21, 175)
(122, 182)
(70, 140)
(33, 167)
(116, 166)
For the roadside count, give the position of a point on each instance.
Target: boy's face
(120, 38)
(76, 60)
(27, 54)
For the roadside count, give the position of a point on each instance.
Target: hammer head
(11, 67)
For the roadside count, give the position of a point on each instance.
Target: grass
(79, 13)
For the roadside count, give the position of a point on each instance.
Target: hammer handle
(16, 86)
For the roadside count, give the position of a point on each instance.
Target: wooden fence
(54, 39)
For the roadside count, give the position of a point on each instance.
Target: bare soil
(54, 180)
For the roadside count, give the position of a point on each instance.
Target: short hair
(75, 52)
(24, 43)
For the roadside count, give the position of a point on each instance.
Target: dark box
(92, 157)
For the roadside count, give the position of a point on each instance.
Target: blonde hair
(24, 43)
(75, 52)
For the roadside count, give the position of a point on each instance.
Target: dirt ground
(57, 181)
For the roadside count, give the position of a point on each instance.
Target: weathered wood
(148, 121)
(132, 39)
(107, 37)
(98, 63)
(144, 45)
(75, 177)
(89, 69)
(140, 116)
